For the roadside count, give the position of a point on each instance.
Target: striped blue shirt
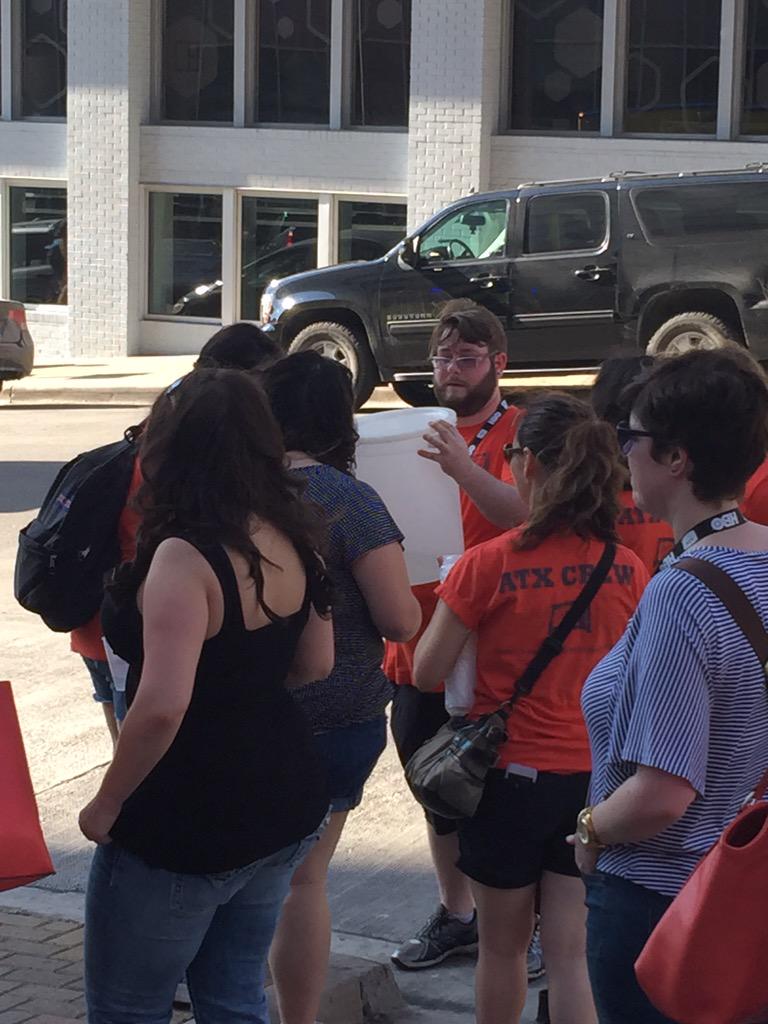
(682, 691)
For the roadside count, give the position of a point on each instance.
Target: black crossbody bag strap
(741, 609)
(553, 644)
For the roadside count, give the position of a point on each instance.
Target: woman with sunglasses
(641, 532)
(677, 712)
(512, 591)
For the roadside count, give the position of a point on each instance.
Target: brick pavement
(41, 970)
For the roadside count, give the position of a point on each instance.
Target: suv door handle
(593, 272)
(486, 280)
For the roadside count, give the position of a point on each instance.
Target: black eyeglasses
(628, 435)
(510, 451)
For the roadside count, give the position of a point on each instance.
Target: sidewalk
(41, 978)
(137, 380)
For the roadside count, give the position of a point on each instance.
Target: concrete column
(455, 74)
(108, 66)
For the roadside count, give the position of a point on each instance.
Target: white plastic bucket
(422, 500)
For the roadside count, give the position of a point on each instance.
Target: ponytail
(584, 474)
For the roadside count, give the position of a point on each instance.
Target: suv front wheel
(688, 331)
(341, 343)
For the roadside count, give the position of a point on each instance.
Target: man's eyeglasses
(441, 364)
(510, 451)
(628, 435)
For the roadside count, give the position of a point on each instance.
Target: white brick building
(149, 148)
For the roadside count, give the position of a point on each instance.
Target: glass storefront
(185, 254)
(369, 230)
(38, 218)
(279, 237)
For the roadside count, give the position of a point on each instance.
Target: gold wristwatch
(585, 830)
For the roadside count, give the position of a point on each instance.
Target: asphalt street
(381, 885)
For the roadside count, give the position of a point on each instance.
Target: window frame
(614, 79)
(245, 72)
(146, 190)
(6, 184)
(526, 200)
(15, 101)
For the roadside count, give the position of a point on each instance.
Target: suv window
(476, 232)
(690, 214)
(574, 222)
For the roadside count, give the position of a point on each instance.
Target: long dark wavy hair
(314, 403)
(212, 460)
(580, 455)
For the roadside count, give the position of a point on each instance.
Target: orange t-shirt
(650, 538)
(755, 502)
(86, 640)
(398, 658)
(512, 599)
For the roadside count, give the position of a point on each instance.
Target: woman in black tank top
(215, 792)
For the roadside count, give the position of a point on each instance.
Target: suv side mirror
(407, 257)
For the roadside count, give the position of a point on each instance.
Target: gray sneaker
(535, 960)
(442, 936)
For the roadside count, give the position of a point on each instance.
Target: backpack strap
(724, 587)
(553, 644)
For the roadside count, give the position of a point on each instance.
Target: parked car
(576, 270)
(17, 351)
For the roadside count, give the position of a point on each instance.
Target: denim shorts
(620, 918)
(104, 691)
(350, 753)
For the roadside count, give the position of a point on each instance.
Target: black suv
(576, 270)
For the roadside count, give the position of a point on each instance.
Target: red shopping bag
(707, 959)
(24, 856)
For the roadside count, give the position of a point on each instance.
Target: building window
(294, 61)
(754, 116)
(672, 66)
(557, 57)
(198, 60)
(566, 223)
(381, 62)
(279, 238)
(369, 230)
(38, 244)
(185, 254)
(43, 58)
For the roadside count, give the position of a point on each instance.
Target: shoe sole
(535, 975)
(456, 951)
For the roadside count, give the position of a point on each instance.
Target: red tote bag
(707, 959)
(24, 856)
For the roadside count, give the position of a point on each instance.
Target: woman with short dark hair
(512, 591)
(313, 401)
(215, 793)
(677, 712)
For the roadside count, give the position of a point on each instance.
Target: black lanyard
(723, 521)
(492, 420)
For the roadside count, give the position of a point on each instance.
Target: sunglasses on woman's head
(510, 451)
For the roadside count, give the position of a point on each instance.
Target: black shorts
(519, 829)
(414, 719)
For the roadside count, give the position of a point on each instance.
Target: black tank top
(241, 779)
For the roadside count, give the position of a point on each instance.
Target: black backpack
(65, 553)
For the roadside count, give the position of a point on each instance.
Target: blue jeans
(145, 927)
(350, 753)
(621, 916)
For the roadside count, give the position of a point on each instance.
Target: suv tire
(688, 331)
(336, 341)
(414, 392)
